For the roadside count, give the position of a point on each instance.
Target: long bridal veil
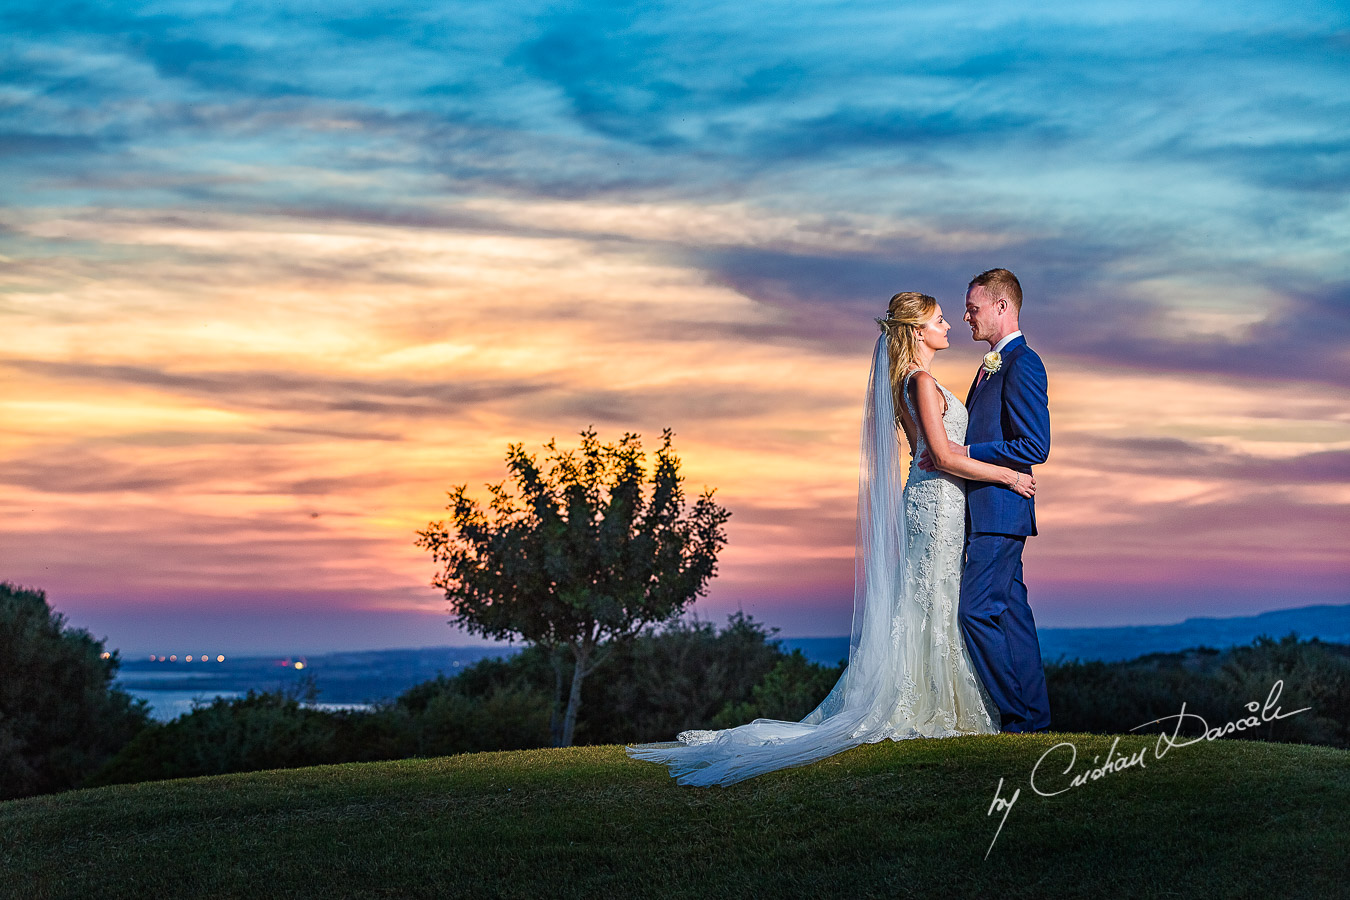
(885, 628)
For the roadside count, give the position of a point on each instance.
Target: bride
(908, 674)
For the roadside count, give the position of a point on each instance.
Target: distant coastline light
(187, 659)
(220, 658)
(173, 657)
(299, 664)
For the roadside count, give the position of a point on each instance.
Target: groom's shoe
(1018, 725)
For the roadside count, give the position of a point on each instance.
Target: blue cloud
(45, 145)
(1162, 141)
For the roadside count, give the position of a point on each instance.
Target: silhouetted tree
(583, 557)
(60, 719)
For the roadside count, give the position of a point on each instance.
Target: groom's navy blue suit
(1009, 425)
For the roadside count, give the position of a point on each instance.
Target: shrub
(262, 730)
(60, 718)
(1215, 685)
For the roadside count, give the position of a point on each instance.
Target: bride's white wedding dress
(909, 674)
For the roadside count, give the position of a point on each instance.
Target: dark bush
(443, 716)
(274, 730)
(662, 683)
(691, 675)
(60, 719)
(655, 686)
(263, 730)
(1215, 685)
(791, 689)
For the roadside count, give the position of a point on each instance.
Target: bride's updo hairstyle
(908, 311)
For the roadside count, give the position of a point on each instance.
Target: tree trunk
(574, 697)
(555, 716)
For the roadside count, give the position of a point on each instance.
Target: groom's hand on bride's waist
(926, 462)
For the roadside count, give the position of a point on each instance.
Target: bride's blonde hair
(907, 312)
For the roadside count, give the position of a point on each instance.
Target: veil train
(859, 708)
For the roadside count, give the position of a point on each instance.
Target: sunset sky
(274, 277)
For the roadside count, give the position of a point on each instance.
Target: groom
(1009, 426)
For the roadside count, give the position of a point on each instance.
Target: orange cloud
(255, 404)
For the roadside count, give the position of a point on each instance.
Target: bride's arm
(929, 402)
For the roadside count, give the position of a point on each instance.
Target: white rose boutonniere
(993, 360)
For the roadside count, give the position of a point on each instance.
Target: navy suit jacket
(1009, 426)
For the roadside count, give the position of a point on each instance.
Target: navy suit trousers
(1000, 632)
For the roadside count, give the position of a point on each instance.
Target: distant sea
(351, 680)
(354, 680)
(1330, 623)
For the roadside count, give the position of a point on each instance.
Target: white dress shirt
(1006, 338)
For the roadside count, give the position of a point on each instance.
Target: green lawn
(1214, 819)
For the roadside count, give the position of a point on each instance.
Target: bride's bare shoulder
(923, 387)
(920, 381)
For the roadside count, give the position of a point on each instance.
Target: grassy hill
(1223, 818)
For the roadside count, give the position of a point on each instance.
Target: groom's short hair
(1000, 283)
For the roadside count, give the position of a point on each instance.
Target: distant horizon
(212, 648)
